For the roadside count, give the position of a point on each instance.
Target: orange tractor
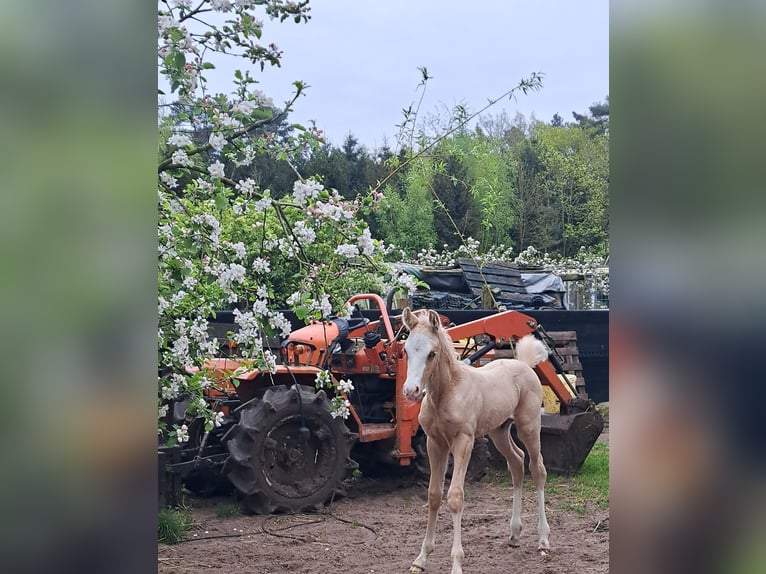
(283, 450)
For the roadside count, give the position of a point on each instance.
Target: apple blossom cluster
(305, 190)
(340, 408)
(339, 403)
(226, 245)
(402, 281)
(346, 385)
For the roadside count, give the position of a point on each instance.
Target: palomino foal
(461, 402)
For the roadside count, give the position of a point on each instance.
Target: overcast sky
(360, 59)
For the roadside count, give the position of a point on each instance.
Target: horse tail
(531, 350)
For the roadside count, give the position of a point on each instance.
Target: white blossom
(162, 305)
(179, 157)
(348, 310)
(305, 190)
(323, 379)
(217, 141)
(180, 350)
(182, 434)
(162, 411)
(347, 250)
(199, 330)
(261, 265)
(407, 281)
(230, 274)
(323, 306)
(279, 321)
(240, 252)
(260, 307)
(178, 297)
(174, 206)
(294, 299)
(345, 385)
(226, 121)
(179, 140)
(365, 242)
(168, 180)
(223, 6)
(245, 107)
(248, 326)
(164, 22)
(263, 204)
(218, 419)
(210, 220)
(303, 233)
(246, 186)
(216, 169)
(341, 409)
(271, 361)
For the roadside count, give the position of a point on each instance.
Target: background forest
(507, 184)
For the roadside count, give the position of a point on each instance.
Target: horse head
(423, 349)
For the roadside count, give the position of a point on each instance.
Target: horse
(459, 403)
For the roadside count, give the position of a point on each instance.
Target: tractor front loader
(283, 450)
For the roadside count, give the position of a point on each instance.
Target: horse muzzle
(413, 391)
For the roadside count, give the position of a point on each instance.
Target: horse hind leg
(437, 460)
(529, 433)
(514, 457)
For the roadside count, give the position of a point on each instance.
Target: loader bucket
(566, 440)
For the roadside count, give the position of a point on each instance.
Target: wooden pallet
(566, 346)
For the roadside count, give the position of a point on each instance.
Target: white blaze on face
(418, 348)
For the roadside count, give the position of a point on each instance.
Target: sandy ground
(379, 527)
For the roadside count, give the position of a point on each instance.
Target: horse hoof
(415, 569)
(544, 552)
(514, 542)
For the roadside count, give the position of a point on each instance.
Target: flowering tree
(223, 241)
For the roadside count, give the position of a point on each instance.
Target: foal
(461, 402)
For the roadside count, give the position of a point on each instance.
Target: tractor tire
(276, 470)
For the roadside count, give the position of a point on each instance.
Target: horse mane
(446, 369)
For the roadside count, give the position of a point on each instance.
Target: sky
(361, 60)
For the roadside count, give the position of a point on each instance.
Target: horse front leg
(461, 455)
(437, 461)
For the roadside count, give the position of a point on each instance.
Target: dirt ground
(378, 529)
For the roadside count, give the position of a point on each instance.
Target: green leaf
(302, 312)
(220, 201)
(179, 61)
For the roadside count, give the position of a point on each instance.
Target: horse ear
(434, 320)
(409, 319)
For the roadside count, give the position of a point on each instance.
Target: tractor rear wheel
(275, 467)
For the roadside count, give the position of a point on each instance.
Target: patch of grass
(172, 524)
(227, 510)
(589, 487)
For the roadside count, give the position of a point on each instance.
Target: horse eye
(432, 354)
